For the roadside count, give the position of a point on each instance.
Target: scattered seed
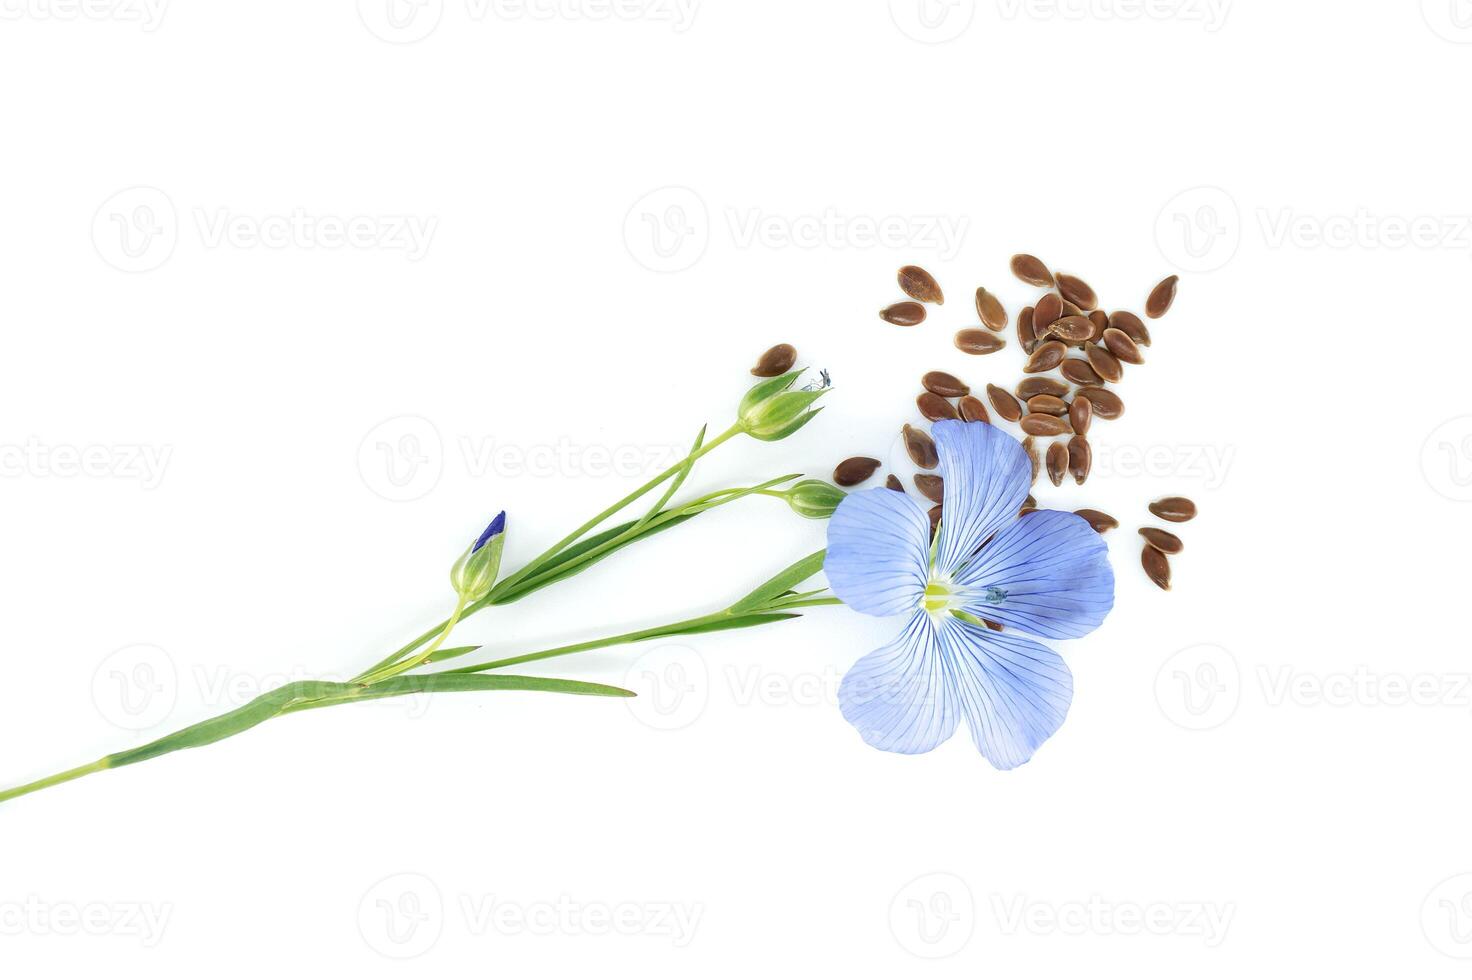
(777, 360)
(1069, 309)
(930, 486)
(1031, 503)
(854, 470)
(1073, 329)
(921, 448)
(892, 482)
(972, 409)
(1030, 387)
(1003, 403)
(992, 625)
(945, 384)
(1174, 509)
(1044, 425)
(1031, 270)
(903, 314)
(1080, 459)
(1047, 405)
(1049, 308)
(1161, 297)
(1098, 520)
(1131, 325)
(1057, 462)
(1030, 446)
(974, 340)
(1104, 363)
(1081, 414)
(1100, 320)
(934, 516)
(921, 285)
(1162, 540)
(1156, 566)
(1027, 338)
(1048, 356)
(1122, 347)
(993, 314)
(934, 407)
(1107, 405)
(1076, 291)
(1078, 370)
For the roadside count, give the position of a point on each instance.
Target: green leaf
(794, 574)
(449, 653)
(733, 623)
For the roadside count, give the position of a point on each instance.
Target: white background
(291, 439)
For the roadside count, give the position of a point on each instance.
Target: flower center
(939, 597)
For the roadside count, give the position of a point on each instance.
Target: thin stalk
(607, 641)
(54, 780)
(390, 670)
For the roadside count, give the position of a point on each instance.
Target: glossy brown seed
(903, 314)
(1078, 370)
(1027, 338)
(1076, 291)
(934, 407)
(1098, 520)
(921, 285)
(1044, 425)
(1174, 509)
(854, 470)
(1072, 329)
(1100, 320)
(1003, 403)
(1031, 503)
(934, 515)
(974, 340)
(892, 482)
(1156, 566)
(1031, 387)
(1107, 405)
(1030, 446)
(1132, 325)
(777, 360)
(1162, 540)
(1122, 347)
(945, 384)
(930, 486)
(1081, 414)
(1031, 270)
(1080, 458)
(1049, 308)
(1104, 363)
(1069, 309)
(972, 410)
(992, 625)
(1161, 297)
(1048, 356)
(993, 314)
(1047, 405)
(921, 448)
(1057, 462)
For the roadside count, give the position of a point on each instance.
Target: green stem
(56, 780)
(670, 629)
(389, 670)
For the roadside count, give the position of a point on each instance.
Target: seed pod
(1107, 405)
(854, 470)
(1098, 520)
(1027, 338)
(972, 409)
(1003, 403)
(1122, 347)
(1156, 566)
(1162, 540)
(946, 385)
(921, 285)
(1030, 446)
(934, 515)
(1175, 509)
(930, 486)
(974, 340)
(920, 447)
(1048, 356)
(1104, 363)
(1080, 459)
(905, 314)
(1031, 387)
(1161, 297)
(1076, 291)
(777, 360)
(1044, 425)
(1132, 325)
(989, 308)
(1049, 308)
(1081, 414)
(1057, 462)
(1047, 405)
(1031, 270)
(934, 407)
(892, 482)
(1073, 329)
(1080, 372)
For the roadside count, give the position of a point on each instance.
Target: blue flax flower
(1045, 573)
